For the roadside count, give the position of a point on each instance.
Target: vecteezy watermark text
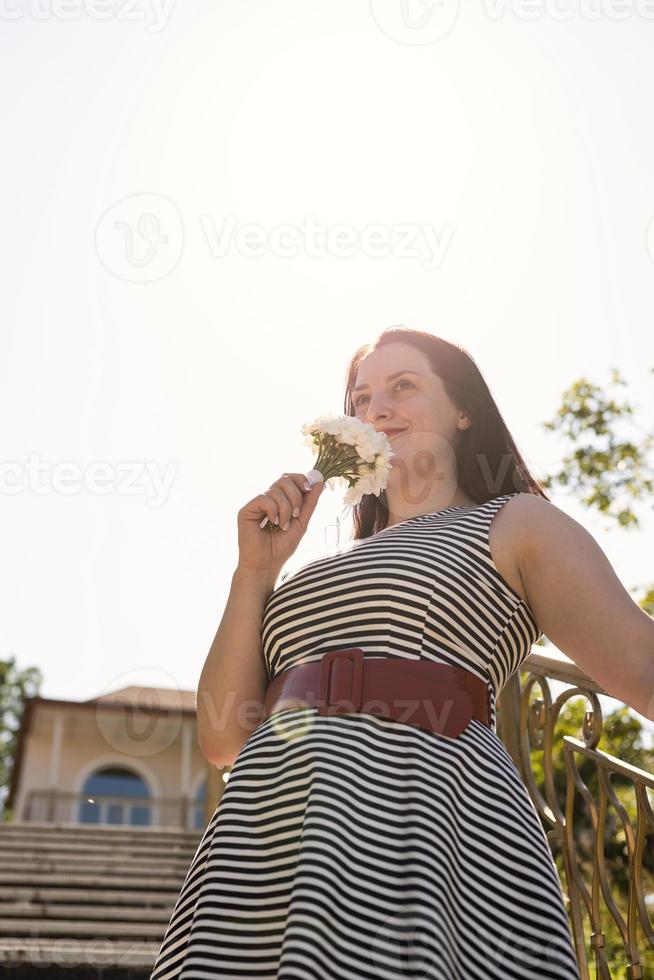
(319, 241)
(141, 239)
(41, 476)
(416, 22)
(154, 13)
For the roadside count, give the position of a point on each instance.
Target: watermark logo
(426, 21)
(411, 944)
(650, 239)
(415, 21)
(140, 721)
(140, 238)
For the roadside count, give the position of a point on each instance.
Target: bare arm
(580, 604)
(233, 681)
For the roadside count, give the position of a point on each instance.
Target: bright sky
(208, 207)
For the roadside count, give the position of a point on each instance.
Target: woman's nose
(377, 406)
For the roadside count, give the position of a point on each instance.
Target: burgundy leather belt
(435, 697)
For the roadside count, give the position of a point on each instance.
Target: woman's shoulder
(520, 523)
(509, 532)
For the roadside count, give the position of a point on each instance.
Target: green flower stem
(334, 459)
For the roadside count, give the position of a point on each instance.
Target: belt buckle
(353, 697)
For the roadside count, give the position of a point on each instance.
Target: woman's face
(414, 400)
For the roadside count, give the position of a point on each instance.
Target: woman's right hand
(264, 549)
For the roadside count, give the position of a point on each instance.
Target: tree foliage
(604, 469)
(15, 686)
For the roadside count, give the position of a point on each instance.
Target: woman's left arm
(581, 606)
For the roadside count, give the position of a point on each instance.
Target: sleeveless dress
(353, 847)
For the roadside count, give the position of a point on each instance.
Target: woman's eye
(403, 381)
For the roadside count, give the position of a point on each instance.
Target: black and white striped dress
(352, 847)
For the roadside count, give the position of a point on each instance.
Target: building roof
(170, 698)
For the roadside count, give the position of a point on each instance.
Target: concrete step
(75, 928)
(76, 900)
(81, 848)
(101, 865)
(85, 833)
(96, 898)
(90, 880)
(26, 910)
(128, 954)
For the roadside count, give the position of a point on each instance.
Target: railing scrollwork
(557, 768)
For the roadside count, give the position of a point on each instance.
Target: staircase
(84, 901)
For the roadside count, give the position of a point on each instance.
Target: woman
(355, 845)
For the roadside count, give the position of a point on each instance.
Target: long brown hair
(487, 459)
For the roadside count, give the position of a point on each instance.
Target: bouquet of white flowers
(350, 450)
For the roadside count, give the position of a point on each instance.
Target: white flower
(350, 451)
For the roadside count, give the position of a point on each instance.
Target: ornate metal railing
(128, 811)
(608, 884)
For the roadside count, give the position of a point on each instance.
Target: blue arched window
(101, 805)
(198, 809)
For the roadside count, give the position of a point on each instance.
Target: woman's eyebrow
(389, 378)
